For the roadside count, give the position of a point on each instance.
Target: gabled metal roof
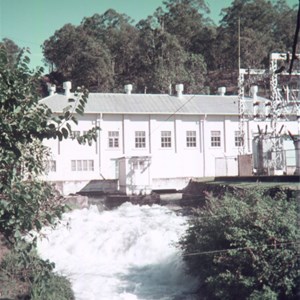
(149, 104)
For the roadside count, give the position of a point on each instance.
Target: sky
(30, 22)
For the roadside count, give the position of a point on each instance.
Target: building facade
(150, 142)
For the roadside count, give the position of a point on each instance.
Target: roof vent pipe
(51, 89)
(128, 89)
(222, 90)
(67, 85)
(179, 89)
(253, 91)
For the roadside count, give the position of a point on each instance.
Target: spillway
(125, 253)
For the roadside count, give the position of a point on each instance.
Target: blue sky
(30, 22)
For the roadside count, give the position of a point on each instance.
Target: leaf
(17, 109)
(67, 108)
(48, 218)
(38, 224)
(65, 133)
(67, 114)
(52, 126)
(17, 234)
(79, 111)
(69, 127)
(73, 118)
(59, 135)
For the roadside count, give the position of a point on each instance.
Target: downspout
(224, 135)
(175, 133)
(149, 134)
(203, 145)
(123, 135)
(99, 145)
(225, 146)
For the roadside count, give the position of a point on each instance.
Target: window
(73, 165)
(138, 165)
(90, 165)
(113, 139)
(74, 134)
(238, 139)
(140, 139)
(166, 141)
(216, 138)
(82, 165)
(79, 165)
(191, 138)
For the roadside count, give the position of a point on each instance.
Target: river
(126, 253)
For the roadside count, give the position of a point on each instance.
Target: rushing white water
(126, 253)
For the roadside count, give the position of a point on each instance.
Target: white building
(150, 142)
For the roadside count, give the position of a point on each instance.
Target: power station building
(160, 141)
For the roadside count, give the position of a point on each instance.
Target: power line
(173, 114)
(275, 245)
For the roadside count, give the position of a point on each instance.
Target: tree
(12, 50)
(80, 58)
(245, 246)
(284, 24)
(261, 32)
(163, 62)
(118, 34)
(27, 203)
(184, 19)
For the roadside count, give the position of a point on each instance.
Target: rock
(77, 201)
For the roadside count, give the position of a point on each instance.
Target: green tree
(162, 62)
(118, 34)
(245, 246)
(264, 28)
(184, 19)
(12, 49)
(80, 58)
(27, 203)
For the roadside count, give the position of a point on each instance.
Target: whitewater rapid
(126, 253)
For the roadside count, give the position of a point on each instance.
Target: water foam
(127, 253)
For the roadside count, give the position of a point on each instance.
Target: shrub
(27, 203)
(244, 247)
(34, 281)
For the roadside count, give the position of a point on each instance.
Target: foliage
(27, 203)
(264, 28)
(107, 51)
(78, 56)
(12, 49)
(19, 280)
(245, 247)
(24, 123)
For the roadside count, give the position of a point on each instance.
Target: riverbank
(197, 190)
(193, 195)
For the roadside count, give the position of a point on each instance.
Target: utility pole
(275, 109)
(241, 96)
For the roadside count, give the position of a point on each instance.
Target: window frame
(166, 139)
(191, 139)
(238, 141)
(140, 139)
(215, 139)
(113, 139)
(82, 165)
